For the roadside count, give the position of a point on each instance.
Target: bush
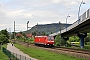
(88, 43)
(74, 39)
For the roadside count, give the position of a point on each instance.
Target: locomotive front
(50, 40)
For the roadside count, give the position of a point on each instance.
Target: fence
(14, 56)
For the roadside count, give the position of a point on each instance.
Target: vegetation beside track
(2, 55)
(72, 42)
(45, 55)
(29, 40)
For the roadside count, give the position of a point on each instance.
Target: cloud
(1, 25)
(74, 3)
(38, 11)
(18, 13)
(56, 1)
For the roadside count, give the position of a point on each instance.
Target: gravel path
(20, 55)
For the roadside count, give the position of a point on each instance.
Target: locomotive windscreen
(50, 38)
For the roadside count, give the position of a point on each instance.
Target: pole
(66, 22)
(60, 27)
(27, 25)
(78, 14)
(79, 11)
(14, 29)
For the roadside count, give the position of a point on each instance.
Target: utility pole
(14, 29)
(66, 21)
(79, 11)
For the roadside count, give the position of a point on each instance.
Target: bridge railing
(70, 27)
(88, 12)
(83, 18)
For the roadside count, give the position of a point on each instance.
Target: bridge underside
(81, 31)
(81, 28)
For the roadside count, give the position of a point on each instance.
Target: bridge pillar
(82, 36)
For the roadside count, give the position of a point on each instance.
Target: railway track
(71, 52)
(74, 50)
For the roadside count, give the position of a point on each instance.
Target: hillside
(47, 28)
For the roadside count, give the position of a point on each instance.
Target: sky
(38, 11)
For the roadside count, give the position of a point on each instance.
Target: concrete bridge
(80, 28)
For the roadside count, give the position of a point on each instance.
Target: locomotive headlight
(52, 41)
(48, 41)
(47, 44)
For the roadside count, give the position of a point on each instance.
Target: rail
(73, 50)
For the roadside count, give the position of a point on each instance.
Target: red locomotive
(44, 40)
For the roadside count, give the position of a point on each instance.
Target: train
(44, 40)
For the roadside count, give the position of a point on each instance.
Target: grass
(5, 45)
(45, 55)
(87, 47)
(2, 55)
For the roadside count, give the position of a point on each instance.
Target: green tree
(43, 33)
(5, 32)
(74, 39)
(34, 33)
(87, 39)
(88, 34)
(3, 38)
(59, 41)
(63, 42)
